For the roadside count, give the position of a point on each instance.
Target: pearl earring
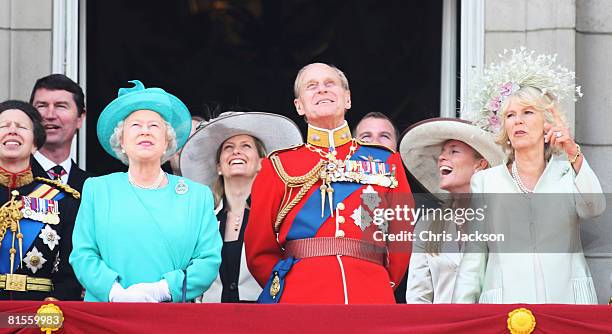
(122, 151)
(508, 142)
(219, 172)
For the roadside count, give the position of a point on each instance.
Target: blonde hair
(528, 97)
(434, 247)
(218, 186)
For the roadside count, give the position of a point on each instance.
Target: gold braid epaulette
(305, 182)
(64, 187)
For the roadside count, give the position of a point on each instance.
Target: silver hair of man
(115, 142)
(296, 84)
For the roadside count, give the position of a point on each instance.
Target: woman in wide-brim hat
(226, 154)
(144, 235)
(442, 154)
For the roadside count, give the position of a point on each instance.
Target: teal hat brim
(168, 106)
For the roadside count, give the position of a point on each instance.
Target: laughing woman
(144, 235)
(238, 141)
(442, 154)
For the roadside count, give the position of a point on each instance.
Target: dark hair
(61, 82)
(379, 115)
(38, 129)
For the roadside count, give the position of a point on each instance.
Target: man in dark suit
(61, 103)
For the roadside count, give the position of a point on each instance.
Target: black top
(231, 254)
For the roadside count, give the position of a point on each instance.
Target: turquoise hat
(168, 106)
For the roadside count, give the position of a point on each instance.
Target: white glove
(152, 292)
(119, 294)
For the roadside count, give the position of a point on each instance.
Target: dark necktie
(57, 172)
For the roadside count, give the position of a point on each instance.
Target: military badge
(361, 218)
(34, 260)
(370, 197)
(49, 237)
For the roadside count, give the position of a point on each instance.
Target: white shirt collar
(47, 164)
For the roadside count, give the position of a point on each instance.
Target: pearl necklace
(517, 180)
(154, 185)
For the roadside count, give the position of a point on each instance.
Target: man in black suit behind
(61, 103)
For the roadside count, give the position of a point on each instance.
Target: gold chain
(321, 171)
(305, 182)
(331, 165)
(331, 156)
(9, 218)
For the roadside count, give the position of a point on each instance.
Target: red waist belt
(329, 246)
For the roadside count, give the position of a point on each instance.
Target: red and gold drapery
(247, 318)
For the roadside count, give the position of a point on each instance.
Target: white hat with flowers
(517, 69)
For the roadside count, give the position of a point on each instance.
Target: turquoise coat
(131, 235)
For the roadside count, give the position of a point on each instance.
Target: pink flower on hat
(494, 104)
(494, 122)
(507, 89)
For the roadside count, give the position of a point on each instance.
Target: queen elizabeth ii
(144, 235)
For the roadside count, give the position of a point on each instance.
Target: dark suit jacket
(76, 178)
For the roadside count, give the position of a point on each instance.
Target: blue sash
(281, 268)
(30, 230)
(308, 220)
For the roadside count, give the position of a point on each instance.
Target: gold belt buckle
(15, 282)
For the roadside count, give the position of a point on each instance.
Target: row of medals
(50, 218)
(335, 172)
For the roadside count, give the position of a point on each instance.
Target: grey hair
(117, 136)
(296, 84)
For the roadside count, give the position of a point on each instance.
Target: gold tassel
(20, 239)
(323, 188)
(13, 251)
(330, 192)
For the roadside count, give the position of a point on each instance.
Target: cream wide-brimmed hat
(421, 144)
(198, 157)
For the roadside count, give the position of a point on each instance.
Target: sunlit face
(60, 115)
(321, 95)
(457, 163)
(239, 157)
(524, 125)
(378, 131)
(144, 136)
(16, 136)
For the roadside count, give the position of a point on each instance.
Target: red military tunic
(326, 279)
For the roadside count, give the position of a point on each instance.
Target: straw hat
(198, 158)
(421, 145)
